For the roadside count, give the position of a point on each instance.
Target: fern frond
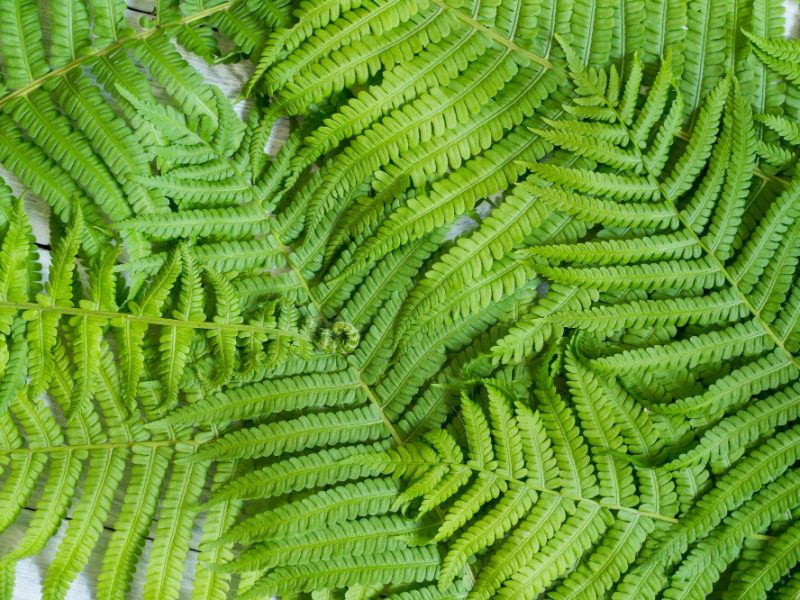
(724, 441)
(308, 431)
(699, 571)
(357, 537)
(211, 585)
(511, 475)
(780, 555)
(236, 222)
(512, 313)
(406, 566)
(328, 506)
(43, 327)
(172, 535)
(534, 329)
(174, 342)
(270, 397)
(296, 473)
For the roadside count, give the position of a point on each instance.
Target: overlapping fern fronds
(540, 485)
(513, 311)
(69, 130)
(127, 324)
(692, 272)
(624, 218)
(107, 370)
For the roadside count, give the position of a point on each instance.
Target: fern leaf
(506, 434)
(297, 473)
(105, 471)
(89, 332)
(43, 327)
(359, 537)
(133, 522)
(234, 222)
(779, 556)
(409, 565)
(208, 584)
(616, 551)
(540, 460)
(14, 254)
(509, 509)
(740, 339)
(575, 471)
(497, 321)
(532, 331)
(724, 440)
(174, 529)
(761, 466)
(539, 525)
(70, 32)
(131, 335)
(270, 397)
(644, 214)
(699, 571)
(59, 487)
(615, 479)
(23, 473)
(478, 434)
(557, 555)
(228, 312)
(174, 341)
(308, 431)
(612, 185)
(22, 43)
(721, 307)
(326, 507)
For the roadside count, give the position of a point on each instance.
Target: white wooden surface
(30, 572)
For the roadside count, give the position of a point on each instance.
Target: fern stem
(141, 35)
(111, 315)
(99, 446)
(372, 398)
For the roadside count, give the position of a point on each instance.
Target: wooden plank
(792, 25)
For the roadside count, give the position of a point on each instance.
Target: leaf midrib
(89, 313)
(69, 448)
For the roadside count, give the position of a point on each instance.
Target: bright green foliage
(105, 383)
(512, 311)
(536, 484)
(700, 326)
(100, 349)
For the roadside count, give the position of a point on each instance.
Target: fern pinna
(510, 313)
